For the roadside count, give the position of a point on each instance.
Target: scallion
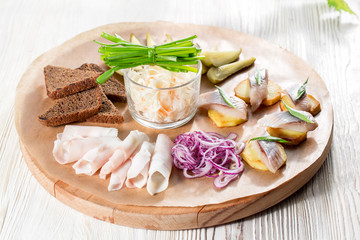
(225, 97)
(176, 56)
(296, 113)
(302, 89)
(270, 138)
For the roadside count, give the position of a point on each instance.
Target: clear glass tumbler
(163, 108)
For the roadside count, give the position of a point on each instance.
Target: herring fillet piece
(123, 152)
(160, 165)
(258, 92)
(94, 159)
(74, 131)
(303, 103)
(287, 121)
(270, 153)
(215, 100)
(118, 177)
(138, 172)
(69, 151)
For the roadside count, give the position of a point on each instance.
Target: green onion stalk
(176, 56)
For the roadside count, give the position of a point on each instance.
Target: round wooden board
(186, 203)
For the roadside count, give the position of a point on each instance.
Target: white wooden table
(325, 208)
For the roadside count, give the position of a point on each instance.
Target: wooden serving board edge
(170, 218)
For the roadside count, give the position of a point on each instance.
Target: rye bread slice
(112, 88)
(61, 82)
(108, 112)
(73, 108)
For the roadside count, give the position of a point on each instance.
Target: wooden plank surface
(326, 208)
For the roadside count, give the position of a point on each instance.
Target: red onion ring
(209, 154)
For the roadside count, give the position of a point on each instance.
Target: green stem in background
(340, 5)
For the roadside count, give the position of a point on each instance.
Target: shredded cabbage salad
(162, 105)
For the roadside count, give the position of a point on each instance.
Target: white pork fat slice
(72, 150)
(123, 152)
(74, 131)
(75, 141)
(138, 172)
(94, 159)
(118, 177)
(160, 166)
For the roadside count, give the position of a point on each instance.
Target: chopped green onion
(297, 113)
(106, 75)
(225, 97)
(302, 90)
(175, 56)
(270, 138)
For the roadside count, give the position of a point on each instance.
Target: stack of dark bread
(79, 98)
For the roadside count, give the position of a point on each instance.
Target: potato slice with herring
(315, 104)
(273, 92)
(220, 112)
(242, 90)
(256, 156)
(293, 137)
(252, 158)
(222, 120)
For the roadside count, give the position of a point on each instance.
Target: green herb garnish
(270, 138)
(175, 56)
(301, 90)
(297, 113)
(258, 77)
(225, 97)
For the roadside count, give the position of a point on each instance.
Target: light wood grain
(326, 208)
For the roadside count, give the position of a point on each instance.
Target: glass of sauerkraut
(158, 98)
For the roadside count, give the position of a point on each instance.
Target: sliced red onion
(223, 180)
(209, 154)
